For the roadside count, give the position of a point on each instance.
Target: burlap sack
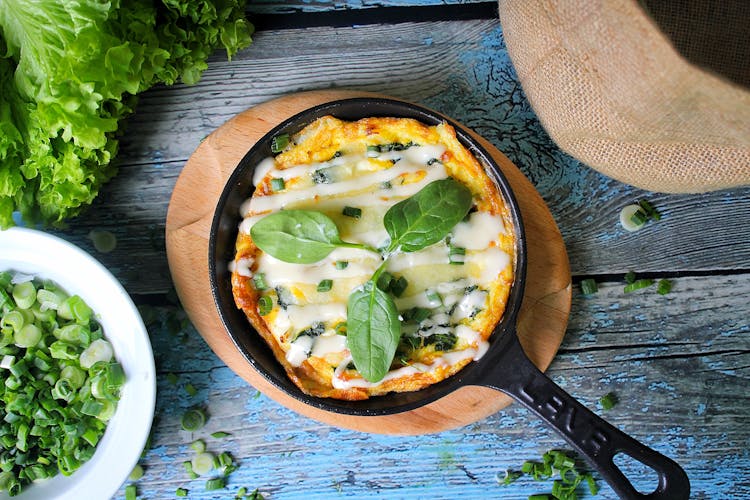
(612, 91)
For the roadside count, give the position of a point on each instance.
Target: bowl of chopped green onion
(78, 380)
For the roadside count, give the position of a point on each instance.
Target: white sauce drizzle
(361, 265)
(478, 232)
(328, 344)
(298, 350)
(302, 317)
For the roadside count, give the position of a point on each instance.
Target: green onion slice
(638, 284)
(588, 286)
(325, 285)
(663, 287)
(353, 212)
(265, 305)
(193, 419)
(279, 142)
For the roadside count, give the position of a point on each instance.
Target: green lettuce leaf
(70, 72)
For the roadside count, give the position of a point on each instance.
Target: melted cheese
(372, 181)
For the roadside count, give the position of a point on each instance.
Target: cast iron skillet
(504, 367)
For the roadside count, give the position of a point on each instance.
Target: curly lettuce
(70, 72)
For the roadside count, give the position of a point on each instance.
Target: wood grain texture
(679, 364)
(542, 318)
(458, 68)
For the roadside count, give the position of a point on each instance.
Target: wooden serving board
(542, 320)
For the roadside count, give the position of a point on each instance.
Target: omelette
(449, 295)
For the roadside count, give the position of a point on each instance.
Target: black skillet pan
(504, 367)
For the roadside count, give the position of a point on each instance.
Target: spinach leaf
(298, 236)
(427, 217)
(373, 330)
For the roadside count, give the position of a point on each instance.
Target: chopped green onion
(202, 463)
(434, 298)
(325, 285)
(510, 476)
(240, 492)
(539, 497)
(188, 465)
(13, 319)
(130, 492)
(136, 473)
(373, 150)
(193, 419)
(190, 389)
(588, 286)
(608, 401)
(224, 460)
(663, 287)
(342, 264)
(24, 294)
(456, 255)
(384, 281)
(639, 218)
(28, 336)
(593, 488)
(341, 328)
(629, 220)
(259, 280)
(216, 483)
(265, 305)
(353, 212)
(98, 350)
(279, 142)
(198, 445)
(220, 434)
(277, 184)
(398, 286)
(638, 284)
(649, 210)
(630, 277)
(172, 378)
(181, 492)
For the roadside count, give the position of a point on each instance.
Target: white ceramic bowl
(40, 254)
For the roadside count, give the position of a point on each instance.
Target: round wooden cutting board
(542, 320)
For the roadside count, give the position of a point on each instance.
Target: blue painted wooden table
(679, 364)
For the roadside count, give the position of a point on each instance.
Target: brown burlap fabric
(612, 91)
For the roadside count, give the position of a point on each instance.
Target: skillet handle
(595, 439)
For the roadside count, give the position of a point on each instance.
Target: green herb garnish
(259, 280)
(277, 184)
(193, 419)
(299, 236)
(265, 305)
(608, 401)
(279, 142)
(588, 286)
(554, 464)
(353, 212)
(325, 285)
(638, 284)
(663, 287)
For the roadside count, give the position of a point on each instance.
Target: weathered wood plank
(276, 7)
(679, 364)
